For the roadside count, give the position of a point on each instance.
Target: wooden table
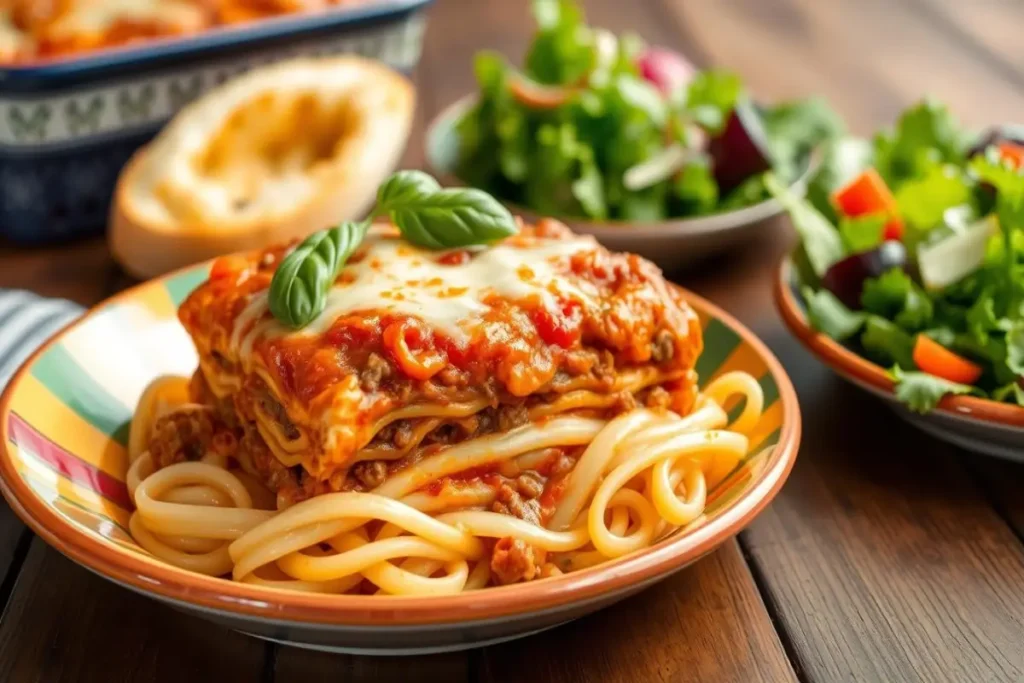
(887, 557)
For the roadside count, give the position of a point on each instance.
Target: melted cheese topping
(393, 276)
(97, 16)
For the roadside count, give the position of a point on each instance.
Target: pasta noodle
(641, 476)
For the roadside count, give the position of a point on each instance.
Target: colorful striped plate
(64, 423)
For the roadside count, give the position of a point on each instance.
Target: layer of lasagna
(420, 349)
(32, 29)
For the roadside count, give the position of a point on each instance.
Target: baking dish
(68, 126)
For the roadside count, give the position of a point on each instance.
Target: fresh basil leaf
(886, 343)
(862, 233)
(829, 315)
(298, 291)
(819, 238)
(921, 392)
(444, 219)
(404, 188)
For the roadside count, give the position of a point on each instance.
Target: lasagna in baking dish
(417, 350)
(31, 29)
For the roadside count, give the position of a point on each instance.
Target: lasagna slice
(417, 350)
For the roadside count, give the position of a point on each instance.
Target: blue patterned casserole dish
(67, 127)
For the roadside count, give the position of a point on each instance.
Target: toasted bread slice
(276, 154)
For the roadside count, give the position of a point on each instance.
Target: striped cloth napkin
(26, 321)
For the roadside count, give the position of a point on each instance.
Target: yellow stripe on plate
(743, 359)
(43, 479)
(67, 429)
(769, 422)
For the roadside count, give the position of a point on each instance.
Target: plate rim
(843, 361)
(152, 576)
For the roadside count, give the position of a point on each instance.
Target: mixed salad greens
(912, 253)
(604, 127)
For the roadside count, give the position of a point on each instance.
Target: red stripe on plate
(70, 465)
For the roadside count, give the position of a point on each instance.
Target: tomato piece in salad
(935, 359)
(867, 195)
(1012, 153)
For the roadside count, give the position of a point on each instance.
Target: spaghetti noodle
(641, 477)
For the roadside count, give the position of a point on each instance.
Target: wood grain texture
(706, 623)
(64, 624)
(886, 562)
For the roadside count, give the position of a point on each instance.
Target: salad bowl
(672, 243)
(972, 423)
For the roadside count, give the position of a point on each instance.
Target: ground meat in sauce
(376, 370)
(657, 399)
(529, 485)
(513, 560)
(274, 408)
(663, 347)
(512, 416)
(624, 402)
(182, 435)
(255, 458)
(510, 502)
(370, 473)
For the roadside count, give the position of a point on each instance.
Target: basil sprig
(426, 215)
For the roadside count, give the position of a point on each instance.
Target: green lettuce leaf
(921, 392)
(923, 201)
(819, 239)
(711, 97)
(695, 188)
(829, 315)
(893, 295)
(563, 49)
(862, 233)
(925, 135)
(886, 343)
(796, 128)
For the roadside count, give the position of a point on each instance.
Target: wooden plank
(870, 59)
(706, 623)
(990, 28)
(66, 624)
(306, 666)
(81, 271)
(1002, 482)
(881, 559)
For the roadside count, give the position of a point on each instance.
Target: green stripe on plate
(771, 395)
(75, 388)
(719, 343)
(770, 440)
(180, 286)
